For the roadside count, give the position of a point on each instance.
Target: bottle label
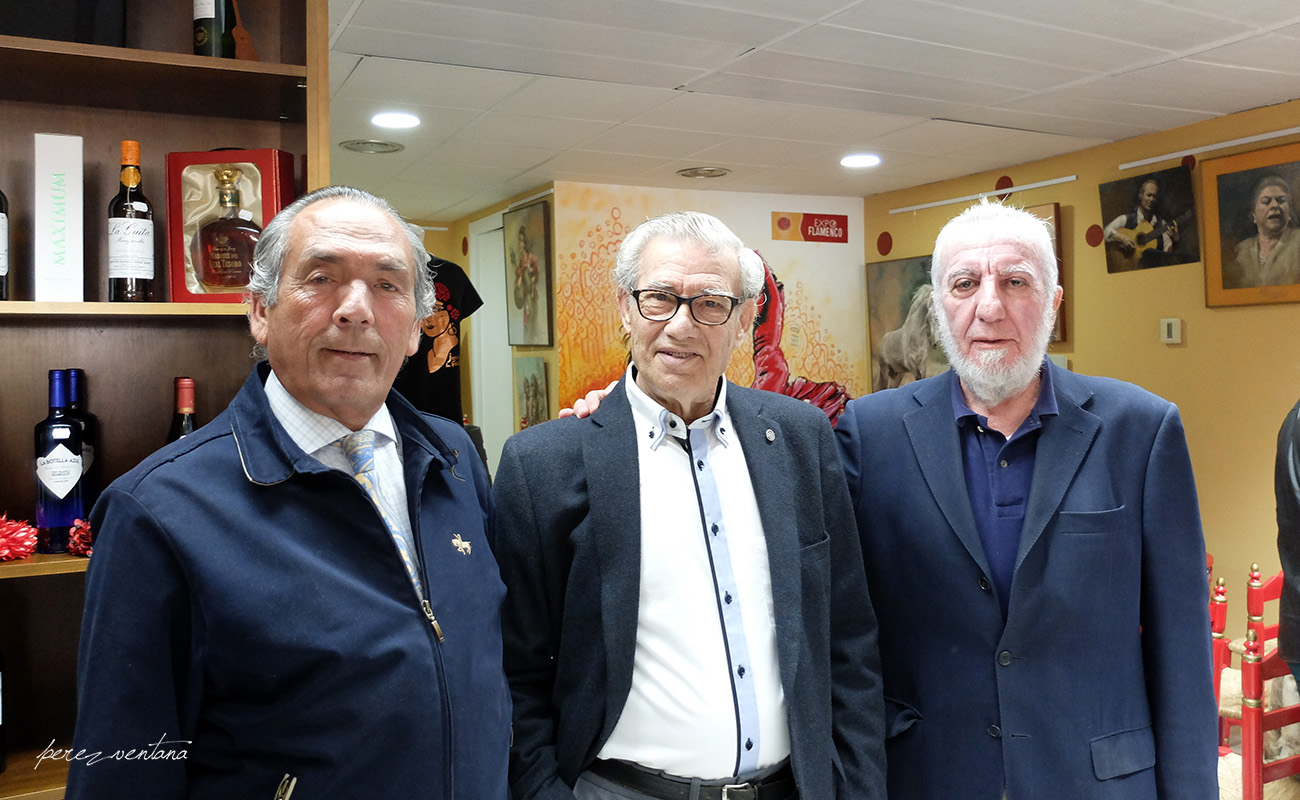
(4, 245)
(204, 9)
(130, 248)
(59, 471)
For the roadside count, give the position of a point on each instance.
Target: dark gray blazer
(567, 539)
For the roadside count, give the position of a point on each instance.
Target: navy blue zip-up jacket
(246, 606)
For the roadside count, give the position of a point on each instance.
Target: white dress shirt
(706, 698)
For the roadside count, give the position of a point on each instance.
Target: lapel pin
(461, 544)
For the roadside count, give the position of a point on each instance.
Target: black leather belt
(777, 786)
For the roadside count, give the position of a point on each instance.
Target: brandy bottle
(130, 234)
(225, 244)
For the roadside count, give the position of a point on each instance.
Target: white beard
(990, 381)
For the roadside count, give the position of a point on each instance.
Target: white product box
(58, 230)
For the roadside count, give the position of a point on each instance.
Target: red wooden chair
(1259, 664)
(1221, 652)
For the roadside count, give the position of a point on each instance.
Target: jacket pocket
(1123, 752)
(1090, 521)
(899, 716)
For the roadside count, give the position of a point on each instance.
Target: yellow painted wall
(1237, 372)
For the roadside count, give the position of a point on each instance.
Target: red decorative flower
(79, 538)
(17, 539)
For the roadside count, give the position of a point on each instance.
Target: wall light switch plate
(1171, 331)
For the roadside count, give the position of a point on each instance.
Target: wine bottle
(183, 421)
(226, 243)
(90, 468)
(130, 233)
(214, 22)
(4, 247)
(58, 470)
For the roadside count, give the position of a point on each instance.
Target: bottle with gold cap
(130, 234)
(226, 244)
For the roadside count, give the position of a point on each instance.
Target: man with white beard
(1034, 553)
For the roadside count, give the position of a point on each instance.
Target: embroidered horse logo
(462, 545)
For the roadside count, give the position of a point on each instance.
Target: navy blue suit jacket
(568, 527)
(1098, 685)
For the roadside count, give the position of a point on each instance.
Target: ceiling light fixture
(374, 146)
(860, 160)
(395, 119)
(703, 172)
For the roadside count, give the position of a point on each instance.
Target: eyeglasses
(657, 305)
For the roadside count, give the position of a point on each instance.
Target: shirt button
(984, 583)
(715, 527)
(749, 744)
(995, 732)
(741, 671)
(727, 598)
(1004, 658)
(699, 465)
(1003, 463)
(672, 423)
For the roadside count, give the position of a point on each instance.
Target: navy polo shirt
(999, 472)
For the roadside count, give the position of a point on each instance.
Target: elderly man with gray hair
(302, 594)
(686, 614)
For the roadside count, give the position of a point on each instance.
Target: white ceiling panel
(514, 94)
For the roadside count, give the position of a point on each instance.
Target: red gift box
(266, 185)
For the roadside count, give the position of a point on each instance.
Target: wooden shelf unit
(156, 91)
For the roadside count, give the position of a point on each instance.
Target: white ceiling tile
(567, 98)
(540, 131)
(648, 141)
(429, 84)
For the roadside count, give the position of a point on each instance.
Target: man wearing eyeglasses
(687, 614)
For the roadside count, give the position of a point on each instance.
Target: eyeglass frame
(689, 302)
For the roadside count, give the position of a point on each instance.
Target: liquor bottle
(58, 470)
(183, 421)
(90, 468)
(225, 244)
(130, 233)
(214, 22)
(4, 247)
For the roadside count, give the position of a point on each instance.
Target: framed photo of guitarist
(1253, 255)
(1150, 221)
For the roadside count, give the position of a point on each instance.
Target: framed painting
(532, 393)
(1150, 221)
(904, 341)
(1252, 245)
(1051, 213)
(527, 232)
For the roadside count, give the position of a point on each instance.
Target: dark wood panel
(39, 631)
(130, 364)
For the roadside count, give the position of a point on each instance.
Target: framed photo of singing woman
(527, 232)
(1252, 242)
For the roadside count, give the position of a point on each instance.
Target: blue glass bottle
(58, 470)
(91, 482)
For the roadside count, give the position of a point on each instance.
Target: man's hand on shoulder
(586, 406)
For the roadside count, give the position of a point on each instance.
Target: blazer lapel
(767, 457)
(1062, 446)
(614, 497)
(933, 434)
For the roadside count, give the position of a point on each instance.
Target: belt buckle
(740, 791)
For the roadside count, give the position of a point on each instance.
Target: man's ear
(257, 321)
(624, 309)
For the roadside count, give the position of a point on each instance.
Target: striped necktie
(359, 447)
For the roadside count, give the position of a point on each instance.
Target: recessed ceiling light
(860, 160)
(371, 146)
(703, 172)
(395, 119)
